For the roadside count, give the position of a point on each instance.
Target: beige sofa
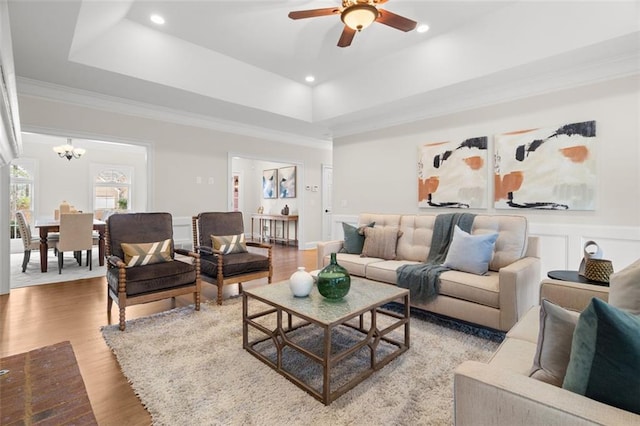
(496, 300)
(501, 392)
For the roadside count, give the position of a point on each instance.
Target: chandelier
(68, 151)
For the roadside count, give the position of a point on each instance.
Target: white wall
(179, 155)
(376, 172)
(58, 179)
(251, 170)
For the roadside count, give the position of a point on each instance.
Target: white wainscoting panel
(182, 233)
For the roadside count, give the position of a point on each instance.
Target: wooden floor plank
(32, 317)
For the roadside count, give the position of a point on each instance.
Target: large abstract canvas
(552, 168)
(453, 174)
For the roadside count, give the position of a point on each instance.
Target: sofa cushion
(554, 343)
(514, 355)
(354, 263)
(233, 264)
(482, 289)
(154, 277)
(527, 327)
(470, 253)
(381, 220)
(354, 237)
(385, 271)
(415, 242)
(605, 357)
(138, 254)
(624, 288)
(511, 244)
(380, 242)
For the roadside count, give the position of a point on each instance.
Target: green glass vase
(334, 281)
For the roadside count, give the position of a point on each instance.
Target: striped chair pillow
(146, 253)
(228, 244)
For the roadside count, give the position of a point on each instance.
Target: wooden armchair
(229, 263)
(141, 264)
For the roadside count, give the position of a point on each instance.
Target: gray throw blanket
(423, 279)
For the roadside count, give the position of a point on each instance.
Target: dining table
(46, 226)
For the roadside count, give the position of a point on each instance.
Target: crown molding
(88, 99)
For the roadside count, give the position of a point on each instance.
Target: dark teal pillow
(605, 357)
(353, 239)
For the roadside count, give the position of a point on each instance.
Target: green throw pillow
(228, 244)
(146, 253)
(354, 238)
(605, 357)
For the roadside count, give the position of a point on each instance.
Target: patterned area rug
(44, 386)
(190, 365)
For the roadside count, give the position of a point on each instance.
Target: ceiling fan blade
(301, 14)
(395, 21)
(347, 37)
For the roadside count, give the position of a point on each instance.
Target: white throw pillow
(624, 289)
(470, 253)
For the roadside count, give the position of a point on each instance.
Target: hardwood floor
(37, 316)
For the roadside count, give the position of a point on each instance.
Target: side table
(574, 276)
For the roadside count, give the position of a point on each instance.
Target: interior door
(327, 196)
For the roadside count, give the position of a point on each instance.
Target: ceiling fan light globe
(359, 16)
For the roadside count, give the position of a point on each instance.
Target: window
(112, 187)
(21, 187)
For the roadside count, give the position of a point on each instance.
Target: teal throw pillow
(470, 253)
(605, 357)
(353, 238)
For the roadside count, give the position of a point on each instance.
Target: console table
(273, 219)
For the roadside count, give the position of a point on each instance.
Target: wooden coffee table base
(372, 337)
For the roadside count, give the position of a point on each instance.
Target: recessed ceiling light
(423, 28)
(309, 79)
(157, 19)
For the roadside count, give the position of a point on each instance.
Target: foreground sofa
(495, 300)
(501, 392)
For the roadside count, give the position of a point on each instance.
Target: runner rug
(44, 386)
(189, 367)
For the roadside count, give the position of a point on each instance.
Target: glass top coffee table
(325, 347)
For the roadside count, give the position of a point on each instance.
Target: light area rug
(70, 271)
(189, 367)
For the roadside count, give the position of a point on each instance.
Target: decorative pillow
(228, 244)
(354, 238)
(554, 343)
(624, 288)
(380, 242)
(146, 253)
(470, 253)
(605, 357)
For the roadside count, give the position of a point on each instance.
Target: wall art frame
(453, 174)
(548, 168)
(287, 182)
(270, 183)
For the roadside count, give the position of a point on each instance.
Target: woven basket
(598, 270)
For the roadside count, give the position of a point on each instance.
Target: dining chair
(76, 235)
(30, 242)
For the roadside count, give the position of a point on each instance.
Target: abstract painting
(287, 182)
(270, 183)
(453, 174)
(551, 168)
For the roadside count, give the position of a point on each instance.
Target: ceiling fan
(358, 15)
